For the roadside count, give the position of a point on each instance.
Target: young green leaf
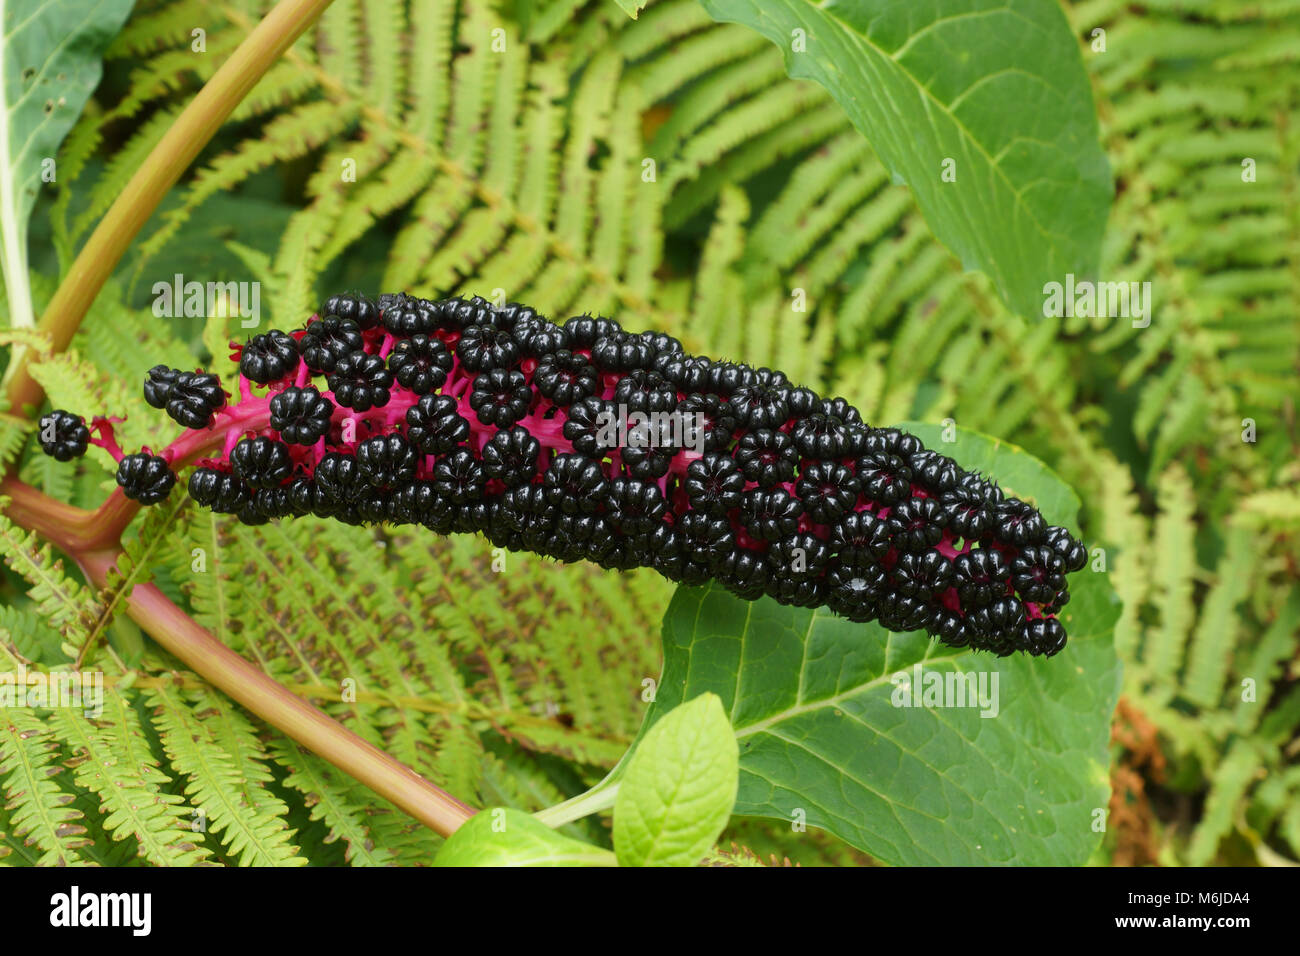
(49, 66)
(505, 837)
(983, 110)
(679, 787)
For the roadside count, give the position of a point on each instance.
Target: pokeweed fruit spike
(586, 441)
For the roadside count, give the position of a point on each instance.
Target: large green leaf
(995, 86)
(811, 698)
(679, 788)
(49, 66)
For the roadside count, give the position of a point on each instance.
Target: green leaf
(813, 700)
(505, 837)
(995, 86)
(49, 66)
(632, 8)
(679, 788)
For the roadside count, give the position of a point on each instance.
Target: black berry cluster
(586, 441)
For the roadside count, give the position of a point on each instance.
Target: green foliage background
(476, 171)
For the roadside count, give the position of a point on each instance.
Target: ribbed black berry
(158, 385)
(63, 435)
(484, 347)
(420, 364)
(219, 491)
(764, 404)
(767, 457)
(621, 352)
(980, 577)
(268, 357)
(458, 477)
(860, 539)
(500, 397)
(1038, 573)
(326, 341)
(351, 305)
(770, 515)
(193, 398)
(582, 331)
(828, 491)
(145, 478)
(714, 484)
(404, 314)
(386, 460)
(1071, 550)
(361, 382)
(434, 426)
(565, 377)
(916, 524)
(634, 506)
(511, 457)
(575, 484)
(301, 415)
(261, 462)
(1016, 522)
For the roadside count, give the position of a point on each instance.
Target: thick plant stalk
(200, 650)
(169, 159)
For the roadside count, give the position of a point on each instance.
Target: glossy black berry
(645, 390)
(194, 398)
(706, 422)
(575, 484)
(145, 478)
(404, 315)
(268, 357)
(1038, 574)
(261, 462)
(714, 484)
(361, 382)
(1018, 523)
(434, 425)
(386, 460)
(621, 352)
(980, 577)
(483, 348)
(420, 364)
(922, 575)
(770, 515)
(767, 457)
(916, 524)
(828, 491)
(500, 397)
(764, 404)
(1070, 549)
(511, 457)
(219, 491)
(364, 312)
(1045, 636)
(326, 341)
(968, 512)
(582, 331)
(458, 477)
(301, 415)
(591, 427)
(633, 506)
(565, 377)
(860, 539)
(884, 477)
(338, 482)
(158, 385)
(63, 435)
